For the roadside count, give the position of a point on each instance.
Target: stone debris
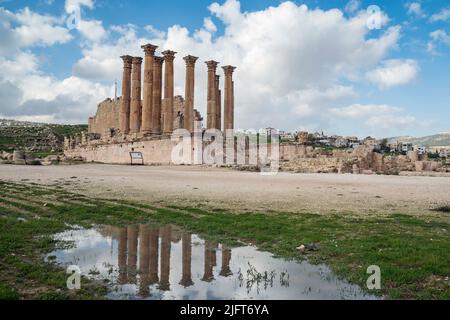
(308, 247)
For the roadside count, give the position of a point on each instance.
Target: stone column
(189, 93)
(124, 119)
(147, 99)
(157, 90)
(135, 113)
(218, 104)
(232, 104)
(228, 100)
(169, 56)
(211, 97)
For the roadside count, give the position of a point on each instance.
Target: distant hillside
(437, 140)
(38, 138)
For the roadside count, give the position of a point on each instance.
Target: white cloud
(352, 6)
(33, 95)
(27, 29)
(291, 63)
(73, 5)
(154, 32)
(92, 30)
(392, 123)
(358, 111)
(415, 8)
(394, 73)
(436, 37)
(440, 35)
(442, 15)
(209, 25)
(309, 102)
(377, 120)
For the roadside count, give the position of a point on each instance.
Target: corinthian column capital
(212, 65)
(149, 49)
(169, 55)
(159, 60)
(228, 70)
(127, 60)
(136, 60)
(190, 60)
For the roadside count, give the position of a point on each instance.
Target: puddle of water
(146, 262)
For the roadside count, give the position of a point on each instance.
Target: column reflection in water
(132, 253)
(226, 258)
(154, 257)
(144, 263)
(214, 247)
(122, 255)
(208, 275)
(186, 279)
(166, 235)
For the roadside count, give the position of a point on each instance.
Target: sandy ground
(226, 188)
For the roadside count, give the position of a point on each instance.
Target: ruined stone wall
(154, 152)
(301, 158)
(293, 157)
(107, 116)
(178, 112)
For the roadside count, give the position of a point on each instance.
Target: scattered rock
(308, 247)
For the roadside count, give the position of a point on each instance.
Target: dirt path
(244, 190)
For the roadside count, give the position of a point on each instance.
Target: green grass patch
(413, 253)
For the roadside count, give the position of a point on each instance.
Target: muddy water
(147, 262)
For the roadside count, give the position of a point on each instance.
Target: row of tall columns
(154, 113)
(149, 248)
(214, 98)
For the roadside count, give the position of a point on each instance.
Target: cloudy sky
(340, 66)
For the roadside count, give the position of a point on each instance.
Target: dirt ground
(226, 188)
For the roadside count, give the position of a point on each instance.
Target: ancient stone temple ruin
(145, 116)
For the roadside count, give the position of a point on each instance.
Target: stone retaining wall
(154, 152)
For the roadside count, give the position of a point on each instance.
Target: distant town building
(444, 153)
(421, 150)
(341, 142)
(303, 137)
(405, 147)
(287, 136)
(269, 131)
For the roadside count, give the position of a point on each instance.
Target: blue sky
(310, 65)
